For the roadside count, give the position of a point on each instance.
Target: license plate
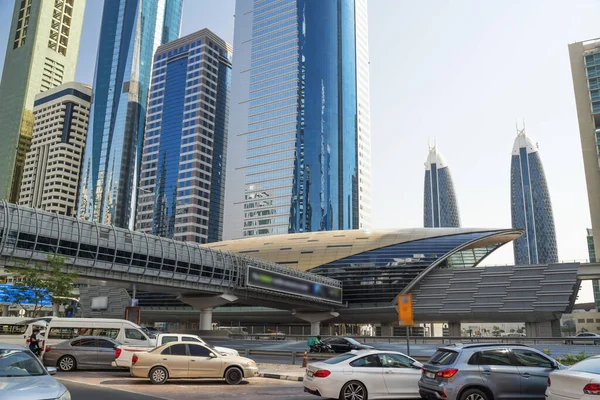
(430, 375)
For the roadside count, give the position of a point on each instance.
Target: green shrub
(571, 359)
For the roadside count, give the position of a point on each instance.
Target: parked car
(364, 374)
(81, 353)
(341, 344)
(123, 354)
(486, 372)
(190, 360)
(579, 382)
(584, 338)
(23, 377)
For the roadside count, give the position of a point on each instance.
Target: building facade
(42, 50)
(53, 163)
(531, 208)
(131, 32)
(300, 149)
(182, 180)
(440, 208)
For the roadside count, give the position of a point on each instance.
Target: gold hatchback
(190, 360)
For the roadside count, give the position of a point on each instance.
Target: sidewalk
(281, 371)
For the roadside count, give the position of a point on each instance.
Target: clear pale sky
(461, 73)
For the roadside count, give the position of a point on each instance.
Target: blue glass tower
(182, 179)
(302, 82)
(130, 33)
(440, 206)
(531, 207)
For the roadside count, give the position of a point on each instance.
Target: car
(584, 338)
(579, 382)
(81, 353)
(341, 344)
(190, 360)
(23, 377)
(486, 372)
(363, 374)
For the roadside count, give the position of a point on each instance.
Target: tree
(41, 283)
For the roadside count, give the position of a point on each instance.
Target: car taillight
(592, 388)
(447, 373)
(134, 359)
(117, 353)
(423, 371)
(322, 373)
(47, 349)
(549, 382)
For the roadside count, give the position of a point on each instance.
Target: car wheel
(474, 394)
(234, 376)
(353, 391)
(67, 363)
(158, 375)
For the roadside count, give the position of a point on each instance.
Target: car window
(166, 351)
(75, 343)
(530, 358)
(15, 363)
(178, 350)
(333, 341)
(495, 357)
(199, 351)
(105, 344)
(340, 358)
(395, 361)
(591, 365)
(191, 339)
(88, 342)
(134, 334)
(352, 341)
(169, 339)
(370, 361)
(443, 357)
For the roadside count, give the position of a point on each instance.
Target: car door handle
(487, 371)
(388, 372)
(193, 360)
(164, 359)
(526, 375)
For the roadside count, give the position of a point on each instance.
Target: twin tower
(531, 208)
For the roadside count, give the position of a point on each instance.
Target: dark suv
(486, 372)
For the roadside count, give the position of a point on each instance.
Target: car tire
(158, 375)
(67, 363)
(353, 390)
(474, 394)
(234, 376)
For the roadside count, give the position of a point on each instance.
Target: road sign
(405, 310)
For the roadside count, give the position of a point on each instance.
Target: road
(119, 386)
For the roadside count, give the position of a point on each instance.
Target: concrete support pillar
(206, 319)
(315, 319)
(431, 331)
(387, 330)
(315, 328)
(454, 329)
(5, 310)
(543, 329)
(55, 309)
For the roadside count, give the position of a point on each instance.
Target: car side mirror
(51, 370)
(555, 365)
(417, 365)
(212, 355)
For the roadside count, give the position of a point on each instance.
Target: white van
(121, 330)
(17, 330)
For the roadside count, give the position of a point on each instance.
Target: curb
(282, 377)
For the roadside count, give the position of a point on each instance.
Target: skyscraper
(440, 205)
(531, 208)
(53, 164)
(131, 31)
(182, 180)
(43, 44)
(299, 148)
(585, 69)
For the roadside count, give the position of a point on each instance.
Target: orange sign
(405, 310)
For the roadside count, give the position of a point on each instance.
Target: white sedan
(362, 374)
(580, 382)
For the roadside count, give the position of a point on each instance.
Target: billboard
(271, 280)
(10, 293)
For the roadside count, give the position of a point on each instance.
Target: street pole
(408, 340)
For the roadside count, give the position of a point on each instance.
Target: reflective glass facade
(130, 33)
(440, 208)
(303, 165)
(531, 207)
(183, 164)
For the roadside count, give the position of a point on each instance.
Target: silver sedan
(82, 352)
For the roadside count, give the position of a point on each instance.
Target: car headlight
(65, 396)
(251, 364)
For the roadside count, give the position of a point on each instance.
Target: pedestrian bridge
(201, 276)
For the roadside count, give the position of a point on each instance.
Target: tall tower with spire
(531, 208)
(440, 206)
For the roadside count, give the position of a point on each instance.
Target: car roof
(91, 337)
(373, 351)
(6, 346)
(458, 346)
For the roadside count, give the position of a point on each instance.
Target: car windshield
(352, 341)
(340, 358)
(148, 333)
(16, 363)
(591, 365)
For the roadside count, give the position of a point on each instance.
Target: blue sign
(8, 294)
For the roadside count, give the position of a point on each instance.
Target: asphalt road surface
(92, 392)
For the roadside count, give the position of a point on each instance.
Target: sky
(461, 73)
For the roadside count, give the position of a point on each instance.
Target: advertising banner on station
(277, 282)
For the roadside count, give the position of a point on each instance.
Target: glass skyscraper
(531, 207)
(300, 148)
(43, 44)
(131, 31)
(182, 180)
(440, 205)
